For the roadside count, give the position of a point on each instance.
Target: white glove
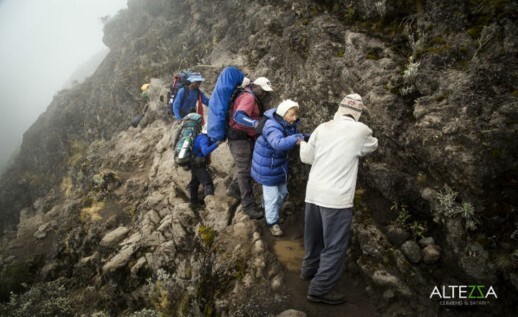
(246, 82)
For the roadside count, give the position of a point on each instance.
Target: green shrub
(15, 276)
(417, 229)
(146, 313)
(403, 216)
(448, 207)
(49, 299)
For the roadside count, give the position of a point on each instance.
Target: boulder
(397, 236)
(431, 253)
(120, 259)
(426, 241)
(113, 237)
(412, 251)
(292, 313)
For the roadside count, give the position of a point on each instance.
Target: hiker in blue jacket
(270, 158)
(188, 97)
(201, 150)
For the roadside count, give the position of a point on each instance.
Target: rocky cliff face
(99, 205)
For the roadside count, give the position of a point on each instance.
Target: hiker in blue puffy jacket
(186, 99)
(270, 158)
(201, 150)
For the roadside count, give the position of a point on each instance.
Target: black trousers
(200, 175)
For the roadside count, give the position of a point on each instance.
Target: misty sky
(42, 42)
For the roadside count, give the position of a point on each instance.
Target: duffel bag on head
(217, 123)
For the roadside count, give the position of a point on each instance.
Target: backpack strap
(236, 94)
(257, 100)
(199, 108)
(230, 109)
(184, 97)
(175, 79)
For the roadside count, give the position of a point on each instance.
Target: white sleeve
(369, 145)
(307, 149)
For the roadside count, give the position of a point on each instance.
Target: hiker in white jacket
(333, 151)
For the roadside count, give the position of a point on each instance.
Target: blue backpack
(217, 124)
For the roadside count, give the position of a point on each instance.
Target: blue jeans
(274, 197)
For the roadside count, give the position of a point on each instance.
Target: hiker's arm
(177, 103)
(204, 99)
(240, 117)
(369, 145)
(206, 149)
(307, 149)
(244, 111)
(280, 143)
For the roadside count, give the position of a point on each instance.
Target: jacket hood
(340, 116)
(269, 113)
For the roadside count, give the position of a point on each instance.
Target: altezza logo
(464, 292)
(463, 295)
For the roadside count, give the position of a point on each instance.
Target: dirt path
(290, 251)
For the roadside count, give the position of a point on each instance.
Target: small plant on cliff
(207, 235)
(487, 34)
(507, 262)
(97, 314)
(416, 39)
(160, 291)
(421, 178)
(146, 313)
(381, 8)
(417, 229)
(447, 202)
(349, 14)
(448, 207)
(467, 212)
(402, 217)
(409, 76)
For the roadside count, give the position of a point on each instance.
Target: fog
(42, 44)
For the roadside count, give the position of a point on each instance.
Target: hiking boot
(233, 191)
(276, 230)
(330, 298)
(254, 214)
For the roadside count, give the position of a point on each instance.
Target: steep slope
(439, 83)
